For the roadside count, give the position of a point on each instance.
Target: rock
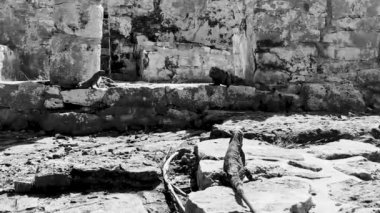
(290, 195)
(72, 123)
(112, 203)
(29, 96)
(304, 165)
(24, 185)
(53, 176)
(359, 167)
(346, 149)
(296, 128)
(8, 63)
(88, 202)
(332, 98)
(359, 194)
(210, 172)
(26, 28)
(216, 149)
(54, 103)
(83, 97)
(76, 48)
(105, 172)
(370, 79)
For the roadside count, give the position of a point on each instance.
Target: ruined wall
(325, 51)
(184, 38)
(40, 37)
(25, 31)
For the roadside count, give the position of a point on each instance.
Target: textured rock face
(26, 28)
(290, 195)
(76, 48)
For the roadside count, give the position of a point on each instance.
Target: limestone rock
(304, 165)
(332, 98)
(216, 149)
(358, 194)
(76, 49)
(369, 78)
(29, 96)
(359, 167)
(83, 97)
(296, 128)
(9, 64)
(210, 172)
(53, 176)
(275, 195)
(72, 123)
(346, 149)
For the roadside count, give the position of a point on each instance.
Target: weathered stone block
(9, 64)
(359, 9)
(281, 22)
(187, 63)
(83, 97)
(72, 123)
(330, 97)
(76, 49)
(210, 23)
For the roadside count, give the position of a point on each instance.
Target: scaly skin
(234, 166)
(221, 77)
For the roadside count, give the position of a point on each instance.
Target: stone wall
(321, 49)
(40, 37)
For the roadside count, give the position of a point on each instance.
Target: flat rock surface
(216, 149)
(75, 202)
(275, 195)
(359, 167)
(298, 128)
(345, 149)
(357, 194)
(109, 162)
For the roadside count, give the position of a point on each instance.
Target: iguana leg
(248, 174)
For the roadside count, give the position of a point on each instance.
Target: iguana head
(237, 135)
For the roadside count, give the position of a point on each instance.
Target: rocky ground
(302, 163)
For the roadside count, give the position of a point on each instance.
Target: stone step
(127, 105)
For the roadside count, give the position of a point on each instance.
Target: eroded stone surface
(275, 195)
(297, 128)
(346, 149)
(357, 194)
(216, 149)
(100, 202)
(359, 167)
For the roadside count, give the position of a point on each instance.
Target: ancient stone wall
(323, 50)
(40, 37)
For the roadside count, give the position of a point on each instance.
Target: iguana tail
(238, 186)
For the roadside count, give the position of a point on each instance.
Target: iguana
(220, 76)
(93, 81)
(234, 166)
(97, 79)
